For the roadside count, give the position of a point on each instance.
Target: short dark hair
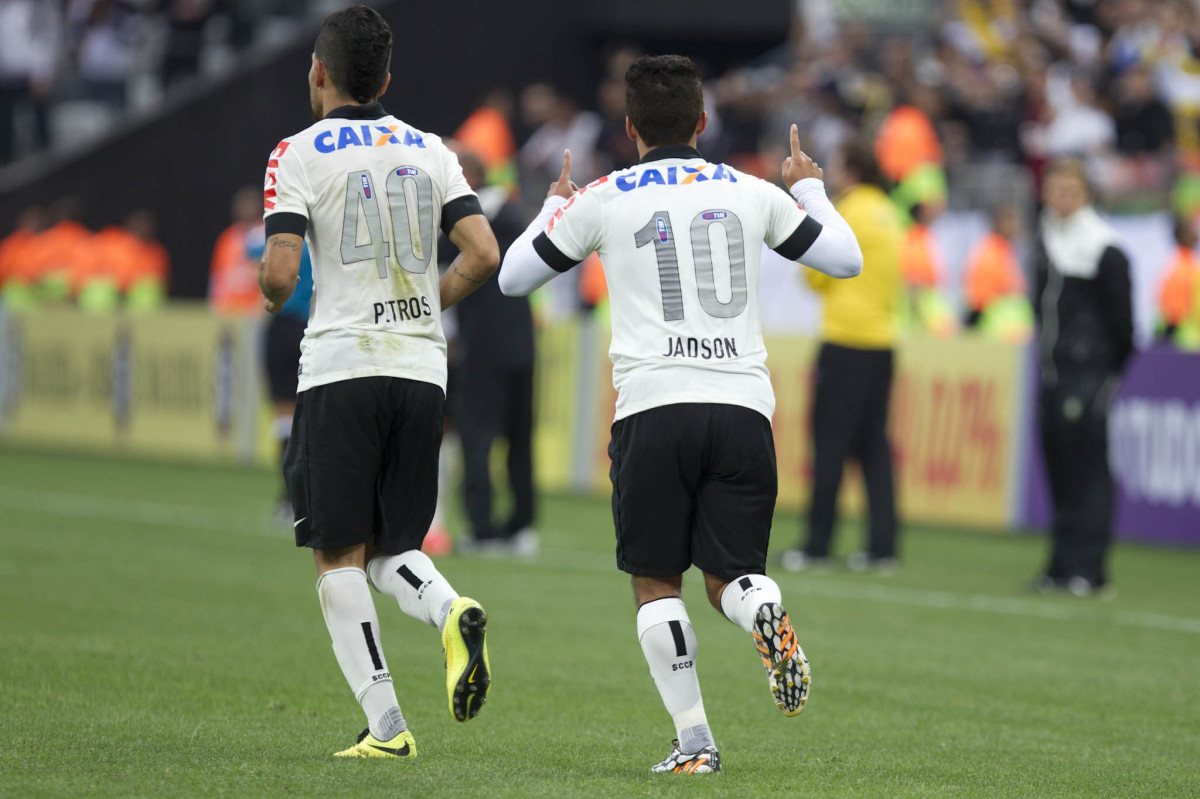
(663, 98)
(1071, 168)
(355, 45)
(859, 157)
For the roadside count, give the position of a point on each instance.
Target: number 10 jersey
(369, 193)
(681, 240)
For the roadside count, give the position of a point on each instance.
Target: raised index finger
(795, 136)
(565, 177)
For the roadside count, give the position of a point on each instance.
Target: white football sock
(669, 644)
(416, 584)
(742, 598)
(350, 617)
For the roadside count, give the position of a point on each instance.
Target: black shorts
(284, 334)
(362, 463)
(693, 484)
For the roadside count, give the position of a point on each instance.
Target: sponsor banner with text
(952, 429)
(171, 383)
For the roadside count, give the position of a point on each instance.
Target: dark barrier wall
(185, 164)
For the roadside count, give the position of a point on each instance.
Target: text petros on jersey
(402, 310)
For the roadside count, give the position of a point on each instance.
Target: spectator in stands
(492, 394)
(993, 278)
(103, 35)
(30, 43)
(1144, 123)
(558, 125)
(1143, 164)
(854, 372)
(16, 281)
(1078, 127)
(987, 104)
(185, 38)
(818, 111)
(233, 277)
(1085, 320)
(1176, 297)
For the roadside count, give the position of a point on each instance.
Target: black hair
(1181, 227)
(355, 45)
(859, 157)
(663, 98)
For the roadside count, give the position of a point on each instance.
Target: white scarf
(1075, 244)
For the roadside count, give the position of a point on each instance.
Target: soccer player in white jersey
(369, 192)
(693, 459)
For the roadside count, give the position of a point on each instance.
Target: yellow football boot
(468, 675)
(402, 745)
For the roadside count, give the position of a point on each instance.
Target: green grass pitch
(158, 637)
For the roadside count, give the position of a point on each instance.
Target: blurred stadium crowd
(965, 115)
(69, 68)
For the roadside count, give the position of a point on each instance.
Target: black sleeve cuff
(284, 222)
(553, 256)
(459, 208)
(795, 245)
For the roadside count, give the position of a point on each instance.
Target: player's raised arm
(477, 261)
(822, 240)
(279, 269)
(532, 261)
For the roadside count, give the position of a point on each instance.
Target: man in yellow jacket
(854, 372)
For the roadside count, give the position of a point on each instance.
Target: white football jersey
(681, 239)
(372, 193)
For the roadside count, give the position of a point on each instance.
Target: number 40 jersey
(369, 193)
(681, 239)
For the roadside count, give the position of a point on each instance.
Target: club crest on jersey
(664, 233)
(405, 171)
(711, 216)
(328, 141)
(677, 175)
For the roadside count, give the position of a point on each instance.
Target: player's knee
(354, 557)
(648, 589)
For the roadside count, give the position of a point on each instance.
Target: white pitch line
(832, 587)
(165, 515)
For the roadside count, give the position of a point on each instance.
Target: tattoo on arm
(471, 280)
(276, 241)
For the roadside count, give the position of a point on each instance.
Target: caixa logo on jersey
(328, 141)
(678, 175)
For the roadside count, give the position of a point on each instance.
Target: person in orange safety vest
(1176, 296)
(16, 281)
(233, 277)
